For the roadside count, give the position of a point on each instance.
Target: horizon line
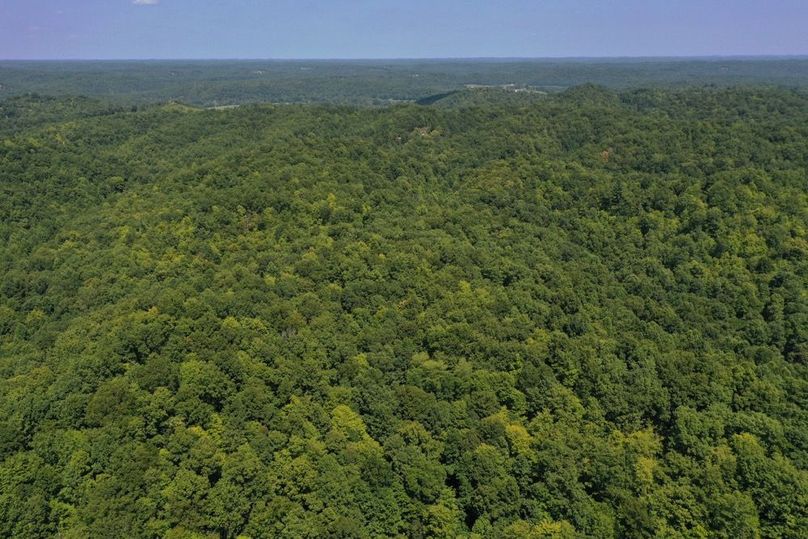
(416, 58)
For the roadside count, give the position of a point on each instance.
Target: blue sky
(104, 29)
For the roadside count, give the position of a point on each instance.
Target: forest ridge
(376, 82)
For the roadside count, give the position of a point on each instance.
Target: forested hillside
(580, 315)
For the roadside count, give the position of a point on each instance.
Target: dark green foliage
(580, 314)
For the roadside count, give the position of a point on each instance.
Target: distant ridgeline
(499, 314)
(373, 82)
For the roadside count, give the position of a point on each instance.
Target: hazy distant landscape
(375, 82)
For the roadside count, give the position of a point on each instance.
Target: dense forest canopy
(581, 314)
(374, 82)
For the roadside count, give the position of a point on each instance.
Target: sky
(162, 29)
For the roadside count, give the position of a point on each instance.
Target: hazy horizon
(428, 58)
